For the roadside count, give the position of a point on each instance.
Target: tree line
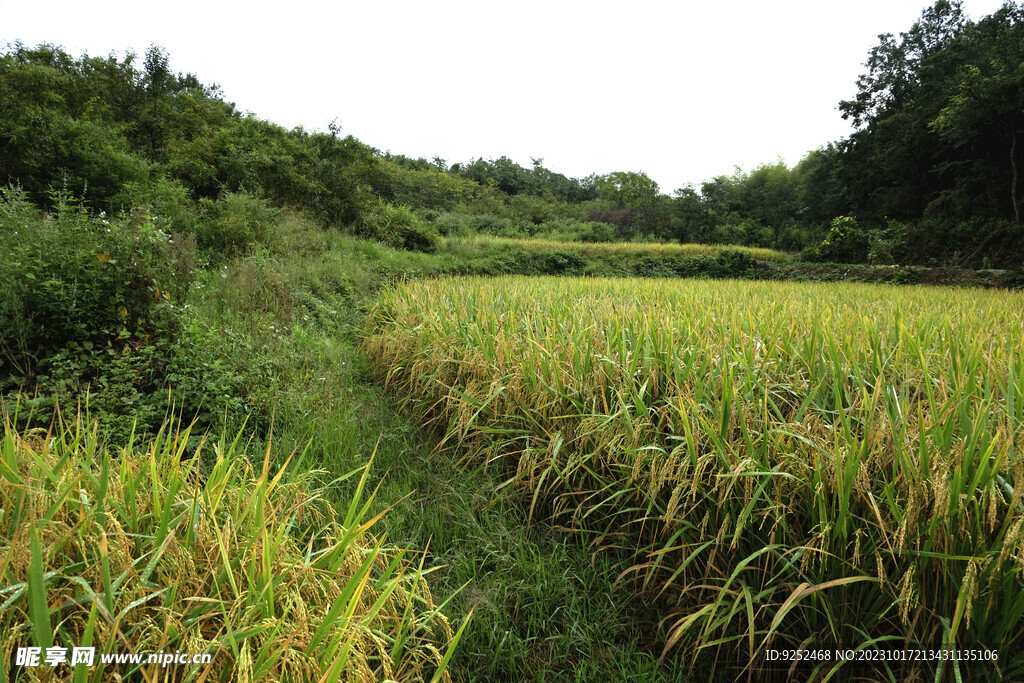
(930, 174)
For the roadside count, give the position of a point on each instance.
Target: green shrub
(452, 224)
(169, 202)
(563, 263)
(235, 223)
(748, 233)
(887, 243)
(486, 224)
(92, 310)
(902, 276)
(1016, 279)
(846, 242)
(532, 209)
(397, 227)
(70, 278)
(736, 263)
(573, 230)
(597, 232)
(424, 187)
(650, 266)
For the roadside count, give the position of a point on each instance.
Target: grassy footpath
(543, 607)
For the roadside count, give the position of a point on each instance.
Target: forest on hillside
(929, 175)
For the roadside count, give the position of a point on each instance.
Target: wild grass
(153, 547)
(789, 463)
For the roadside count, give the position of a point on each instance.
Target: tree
(983, 119)
(820, 190)
(939, 117)
(894, 72)
(770, 196)
(689, 217)
(62, 126)
(627, 188)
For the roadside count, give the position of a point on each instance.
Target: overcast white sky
(683, 91)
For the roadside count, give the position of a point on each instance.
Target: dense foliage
(93, 310)
(104, 129)
(930, 174)
(939, 115)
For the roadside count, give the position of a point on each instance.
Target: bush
(886, 244)
(796, 237)
(1016, 279)
(846, 242)
(650, 266)
(532, 209)
(71, 278)
(169, 202)
(91, 310)
(563, 263)
(489, 224)
(397, 227)
(452, 224)
(597, 232)
(573, 230)
(235, 223)
(735, 263)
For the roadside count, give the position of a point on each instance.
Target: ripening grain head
(810, 433)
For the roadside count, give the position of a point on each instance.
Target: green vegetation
(290, 312)
(99, 307)
(157, 548)
(930, 174)
(601, 249)
(755, 444)
(761, 462)
(506, 256)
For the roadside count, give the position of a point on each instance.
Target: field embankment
(791, 462)
(481, 255)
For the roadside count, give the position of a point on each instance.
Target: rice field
(598, 249)
(791, 462)
(155, 548)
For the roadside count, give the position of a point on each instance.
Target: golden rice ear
(133, 553)
(745, 439)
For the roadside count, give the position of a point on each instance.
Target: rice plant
(793, 463)
(663, 249)
(153, 548)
